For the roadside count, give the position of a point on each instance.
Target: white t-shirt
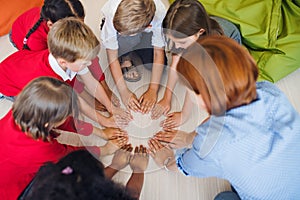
(109, 33)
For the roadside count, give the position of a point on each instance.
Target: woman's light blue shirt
(257, 149)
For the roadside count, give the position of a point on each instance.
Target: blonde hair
(222, 71)
(71, 39)
(133, 16)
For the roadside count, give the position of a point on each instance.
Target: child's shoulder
(25, 56)
(32, 14)
(161, 10)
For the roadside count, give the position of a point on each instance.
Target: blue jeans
(10, 98)
(227, 195)
(140, 43)
(229, 29)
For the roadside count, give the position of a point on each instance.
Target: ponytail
(35, 26)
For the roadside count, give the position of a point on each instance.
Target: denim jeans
(140, 43)
(229, 29)
(228, 195)
(10, 98)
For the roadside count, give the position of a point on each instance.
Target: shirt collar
(65, 75)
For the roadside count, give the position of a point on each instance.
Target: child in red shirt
(72, 46)
(28, 133)
(30, 31)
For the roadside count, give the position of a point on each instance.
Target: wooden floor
(159, 184)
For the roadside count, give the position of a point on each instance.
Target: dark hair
(55, 10)
(222, 71)
(42, 104)
(77, 176)
(185, 18)
(216, 29)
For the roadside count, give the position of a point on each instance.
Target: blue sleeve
(190, 163)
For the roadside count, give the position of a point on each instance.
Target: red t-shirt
(37, 41)
(22, 156)
(21, 67)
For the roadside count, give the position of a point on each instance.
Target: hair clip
(68, 170)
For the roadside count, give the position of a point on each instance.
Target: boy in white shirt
(132, 32)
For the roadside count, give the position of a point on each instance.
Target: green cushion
(270, 30)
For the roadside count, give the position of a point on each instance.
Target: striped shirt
(255, 147)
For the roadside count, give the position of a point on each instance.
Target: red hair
(222, 71)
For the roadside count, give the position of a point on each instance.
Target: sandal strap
(127, 69)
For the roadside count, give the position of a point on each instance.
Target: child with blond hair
(29, 129)
(30, 30)
(72, 47)
(131, 34)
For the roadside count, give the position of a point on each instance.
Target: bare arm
(135, 184)
(149, 98)
(95, 116)
(96, 90)
(138, 164)
(128, 98)
(109, 133)
(172, 78)
(164, 105)
(119, 161)
(176, 119)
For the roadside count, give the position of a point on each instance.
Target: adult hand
(121, 157)
(139, 161)
(159, 152)
(172, 121)
(147, 100)
(176, 139)
(161, 108)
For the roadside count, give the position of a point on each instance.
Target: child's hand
(139, 161)
(131, 102)
(175, 139)
(99, 106)
(161, 108)
(113, 145)
(159, 152)
(121, 157)
(147, 100)
(122, 117)
(172, 121)
(107, 121)
(115, 100)
(113, 133)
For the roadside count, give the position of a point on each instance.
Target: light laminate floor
(159, 184)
